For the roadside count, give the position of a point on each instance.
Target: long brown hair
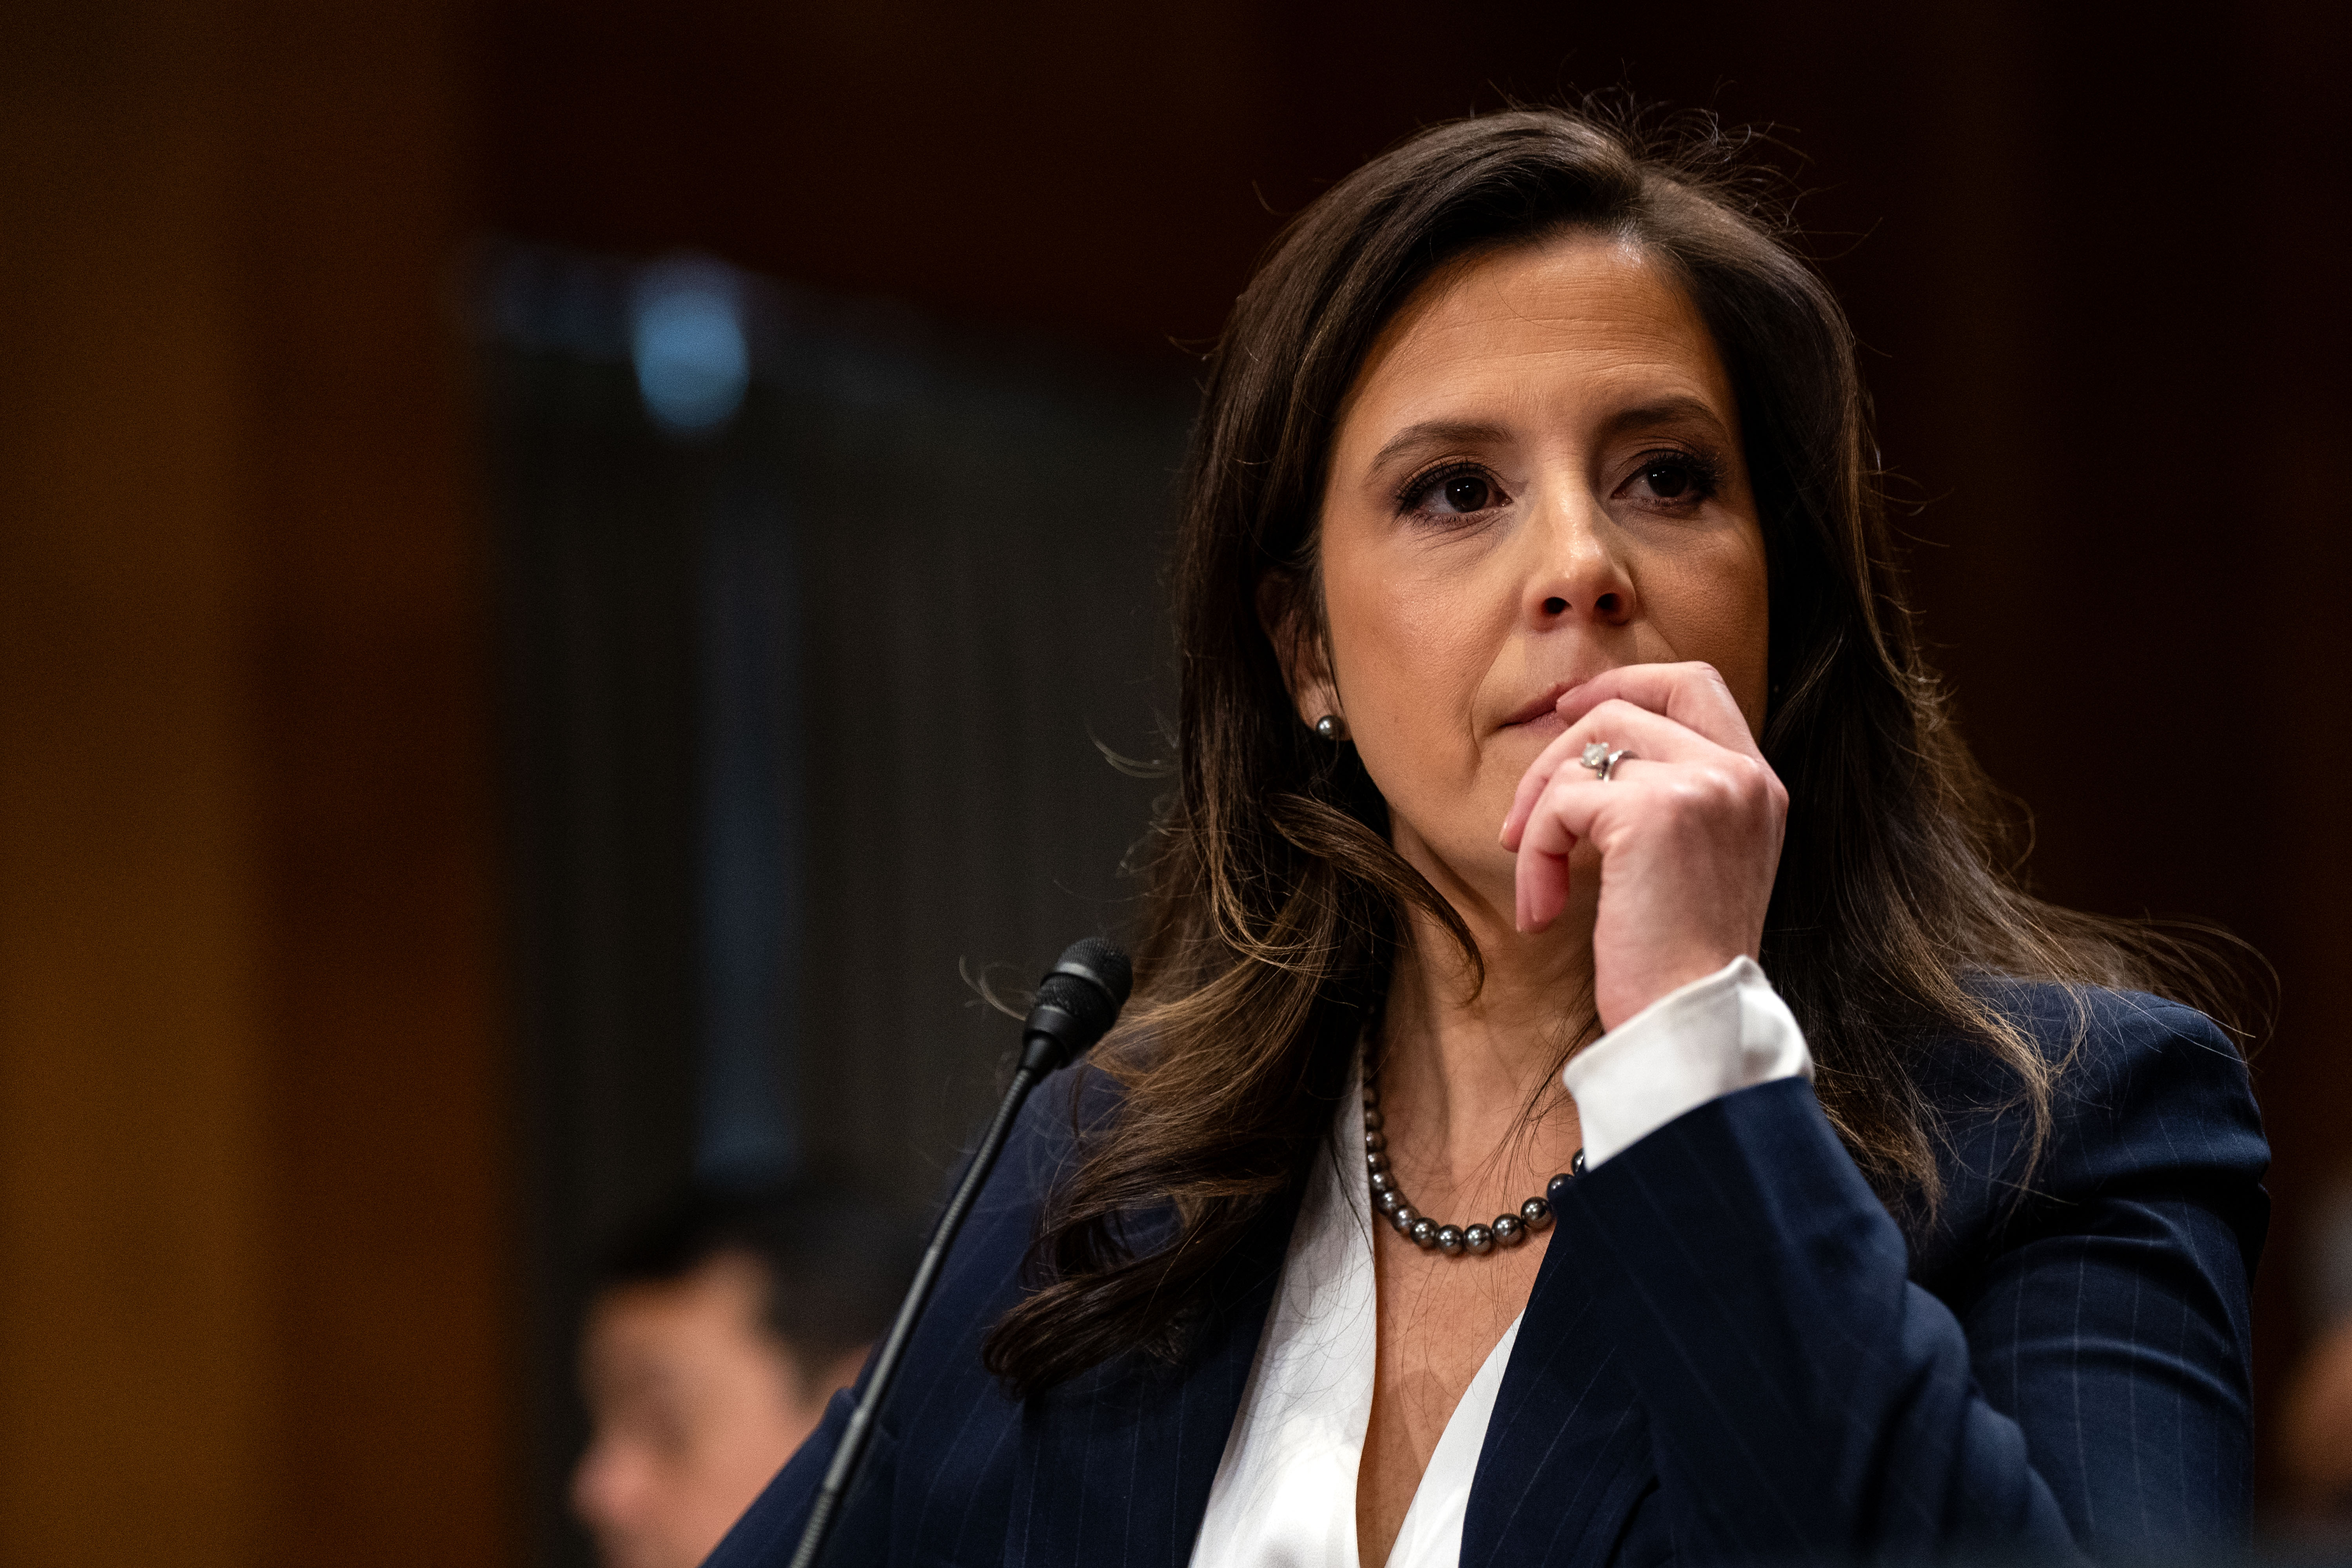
(1274, 903)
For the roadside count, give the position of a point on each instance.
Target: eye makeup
(1454, 487)
(1676, 477)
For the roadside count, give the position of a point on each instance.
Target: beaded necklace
(1388, 1200)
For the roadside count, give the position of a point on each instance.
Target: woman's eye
(1673, 478)
(1468, 493)
(1458, 495)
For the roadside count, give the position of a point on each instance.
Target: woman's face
(1536, 478)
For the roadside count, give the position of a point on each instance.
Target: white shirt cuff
(1726, 1032)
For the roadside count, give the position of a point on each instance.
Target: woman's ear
(1306, 663)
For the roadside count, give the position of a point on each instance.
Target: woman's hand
(1688, 830)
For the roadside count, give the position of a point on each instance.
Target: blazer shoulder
(1050, 1135)
(2102, 1048)
(983, 1275)
(2147, 1096)
(1041, 1152)
(2121, 1057)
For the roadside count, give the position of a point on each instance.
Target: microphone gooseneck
(1077, 1004)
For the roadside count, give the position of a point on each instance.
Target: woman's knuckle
(1685, 797)
(1718, 791)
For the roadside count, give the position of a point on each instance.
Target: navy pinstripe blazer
(1731, 1350)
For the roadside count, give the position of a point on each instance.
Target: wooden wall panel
(386, 1042)
(135, 1373)
(252, 1213)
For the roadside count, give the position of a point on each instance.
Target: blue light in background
(686, 338)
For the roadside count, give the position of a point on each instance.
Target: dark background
(267, 1165)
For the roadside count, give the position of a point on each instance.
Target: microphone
(1077, 1002)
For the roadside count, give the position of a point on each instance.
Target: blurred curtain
(803, 711)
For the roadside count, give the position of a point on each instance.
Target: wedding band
(1602, 760)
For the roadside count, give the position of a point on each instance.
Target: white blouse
(1285, 1496)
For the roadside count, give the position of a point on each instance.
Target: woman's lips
(1541, 707)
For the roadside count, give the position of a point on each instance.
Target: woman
(1546, 689)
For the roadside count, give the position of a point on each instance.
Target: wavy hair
(1273, 903)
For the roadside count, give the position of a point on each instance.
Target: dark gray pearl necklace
(1508, 1229)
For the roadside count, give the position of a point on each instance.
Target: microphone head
(1077, 1002)
(1100, 961)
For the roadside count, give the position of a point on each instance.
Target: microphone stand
(860, 1430)
(1049, 1037)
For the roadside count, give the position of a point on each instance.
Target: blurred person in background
(2315, 1432)
(717, 1332)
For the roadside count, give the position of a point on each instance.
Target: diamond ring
(1602, 760)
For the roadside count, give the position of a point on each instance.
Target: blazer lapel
(1115, 1465)
(1568, 1450)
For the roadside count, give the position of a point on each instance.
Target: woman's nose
(1575, 572)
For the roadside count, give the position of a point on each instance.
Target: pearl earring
(1331, 727)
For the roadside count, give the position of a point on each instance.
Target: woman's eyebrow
(1438, 433)
(1682, 409)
